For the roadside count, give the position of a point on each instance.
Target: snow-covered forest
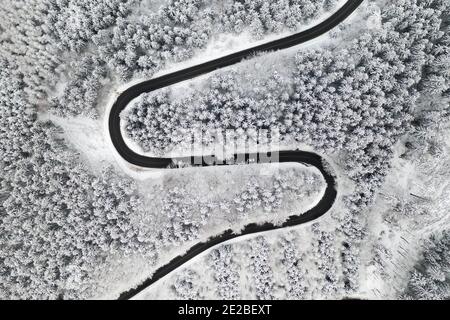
(429, 280)
(358, 100)
(278, 266)
(372, 98)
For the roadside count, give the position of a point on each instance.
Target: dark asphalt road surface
(303, 157)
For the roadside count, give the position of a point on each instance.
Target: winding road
(303, 157)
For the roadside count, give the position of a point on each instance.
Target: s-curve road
(307, 158)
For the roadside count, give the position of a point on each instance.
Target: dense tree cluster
(431, 278)
(271, 16)
(358, 100)
(50, 34)
(261, 271)
(352, 226)
(350, 264)
(16, 118)
(185, 216)
(293, 264)
(226, 272)
(25, 39)
(290, 185)
(81, 92)
(74, 23)
(362, 99)
(157, 123)
(57, 221)
(141, 47)
(154, 123)
(255, 196)
(325, 259)
(39, 35)
(186, 285)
